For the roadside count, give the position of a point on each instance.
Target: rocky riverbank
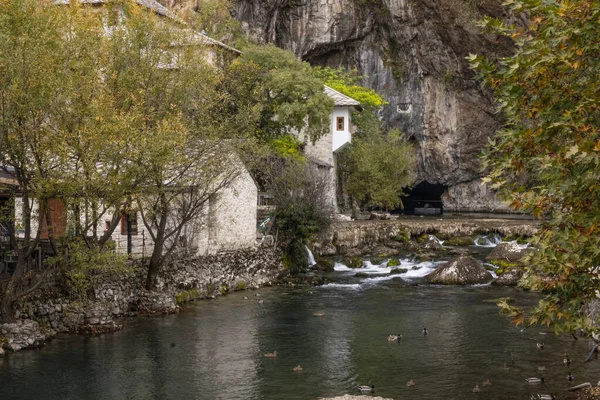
(475, 251)
(54, 308)
(355, 234)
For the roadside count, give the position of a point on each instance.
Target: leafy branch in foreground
(546, 160)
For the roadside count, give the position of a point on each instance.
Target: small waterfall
(490, 240)
(311, 258)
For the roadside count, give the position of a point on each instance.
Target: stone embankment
(53, 309)
(353, 234)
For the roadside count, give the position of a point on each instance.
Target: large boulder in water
(462, 270)
(511, 252)
(510, 276)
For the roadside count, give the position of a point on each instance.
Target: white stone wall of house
(341, 138)
(323, 151)
(230, 223)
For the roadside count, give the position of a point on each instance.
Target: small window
(340, 123)
(107, 225)
(112, 18)
(132, 216)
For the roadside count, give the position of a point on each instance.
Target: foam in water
(490, 240)
(338, 266)
(382, 272)
(354, 286)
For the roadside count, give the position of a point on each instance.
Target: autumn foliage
(546, 160)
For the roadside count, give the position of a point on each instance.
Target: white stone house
(323, 153)
(228, 220)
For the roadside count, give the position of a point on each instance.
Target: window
(112, 18)
(340, 123)
(132, 216)
(107, 225)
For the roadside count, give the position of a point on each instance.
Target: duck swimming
(540, 346)
(424, 331)
(566, 359)
(394, 338)
(298, 368)
(570, 376)
(365, 388)
(543, 396)
(535, 380)
(487, 383)
(410, 383)
(273, 354)
(476, 389)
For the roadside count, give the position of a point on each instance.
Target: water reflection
(214, 350)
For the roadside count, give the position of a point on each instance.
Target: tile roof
(339, 98)
(150, 4)
(203, 38)
(158, 8)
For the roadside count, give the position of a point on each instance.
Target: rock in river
(510, 276)
(462, 270)
(509, 252)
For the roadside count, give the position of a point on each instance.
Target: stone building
(323, 153)
(228, 220)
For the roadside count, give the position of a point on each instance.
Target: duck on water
(535, 380)
(367, 389)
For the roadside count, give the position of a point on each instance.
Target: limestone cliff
(413, 52)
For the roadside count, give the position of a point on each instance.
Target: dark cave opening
(424, 199)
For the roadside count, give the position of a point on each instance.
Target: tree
(546, 160)
(164, 85)
(274, 100)
(282, 91)
(378, 165)
(379, 168)
(49, 65)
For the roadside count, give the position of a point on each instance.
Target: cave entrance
(424, 199)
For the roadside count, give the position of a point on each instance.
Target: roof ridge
(340, 98)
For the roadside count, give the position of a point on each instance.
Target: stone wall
(351, 234)
(182, 280)
(232, 216)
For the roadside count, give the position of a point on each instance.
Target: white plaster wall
(228, 221)
(341, 139)
(324, 149)
(231, 217)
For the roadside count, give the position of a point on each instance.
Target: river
(215, 349)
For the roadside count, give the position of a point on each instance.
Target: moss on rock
(396, 271)
(325, 264)
(394, 262)
(459, 241)
(503, 263)
(403, 236)
(356, 262)
(187, 295)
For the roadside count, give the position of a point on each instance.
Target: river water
(215, 349)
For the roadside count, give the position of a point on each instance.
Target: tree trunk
(7, 306)
(154, 266)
